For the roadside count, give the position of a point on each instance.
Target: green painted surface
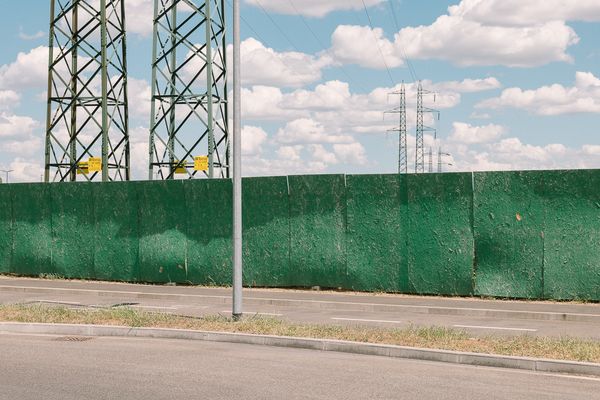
(32, 229)
(572, 235)
(6, 229)
(517, 234)
(509, 221)
(440, 244)
(318, 230)
(208, 216)
(73, 231)
(266, 232)
(116, 240)
(162, 223)
(376, 240)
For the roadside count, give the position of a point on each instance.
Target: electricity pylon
(87, 122)
(441, 162)
(189, 127)
(401, 129)
(421, 128)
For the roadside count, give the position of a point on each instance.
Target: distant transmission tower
(421, 128)
(87, 132)
(401, 129)
(430, 160)
(441, 163)
(189, 126)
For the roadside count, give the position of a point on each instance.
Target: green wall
(505, 234)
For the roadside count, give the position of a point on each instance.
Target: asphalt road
(316, 307)
(50, 367)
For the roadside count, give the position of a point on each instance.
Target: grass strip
(566, 348)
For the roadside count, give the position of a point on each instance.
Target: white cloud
(513, 154)
(13, 126)
(29, 70)
(253, 139)
(139, 145)
(140, 98)
(306, 130)
(467, 43)
(468, 85)
(364, 46)
(25, 170)
(351, 153)
(456, 39)
(583, 97)
(291, 153)
(469, 134)
(27, 145)
(322, 155)
(140, 16)
(310, 8)
(265, 66)
(331, 95)
(523, 13)
(265, 102)
(35, 36)
(590, 149)
(9, 99)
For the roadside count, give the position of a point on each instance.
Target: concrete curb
(318, 304)
(453, 357)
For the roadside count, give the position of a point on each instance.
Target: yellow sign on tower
(201, 163)
(95, 164)
(181, 168)
(82, 168)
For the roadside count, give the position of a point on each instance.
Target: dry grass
(428, 337)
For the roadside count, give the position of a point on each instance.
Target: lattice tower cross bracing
(421, 128)
(401, 129)
(87, 109)
(189, 115)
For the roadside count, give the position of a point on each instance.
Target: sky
(517, 83)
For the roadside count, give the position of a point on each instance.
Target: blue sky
(518, 85)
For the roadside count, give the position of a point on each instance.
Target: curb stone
(446, 356)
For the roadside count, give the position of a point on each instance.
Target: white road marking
(155, 307)
(70, 303)
(495, 328)
(256, 313)
(298, 301)
(368, 320)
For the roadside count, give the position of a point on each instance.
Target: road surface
(56, 368)
(478, 317)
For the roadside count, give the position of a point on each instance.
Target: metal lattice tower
(87, 114)
(421, 128)
(441, 162)
(430, 160)
(401, 129)
(189, 90)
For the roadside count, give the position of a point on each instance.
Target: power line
(377, 42)
(249, 26)
(277, 26)
(322, 44)
(409, 64)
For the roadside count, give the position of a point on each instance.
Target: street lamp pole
(237, 167)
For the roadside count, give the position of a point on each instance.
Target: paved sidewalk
(478, 316)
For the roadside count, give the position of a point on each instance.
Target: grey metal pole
(237, 166)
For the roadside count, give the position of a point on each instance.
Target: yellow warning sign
(181, 168)
(95, 164)
(82, 168)
(201, 163)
